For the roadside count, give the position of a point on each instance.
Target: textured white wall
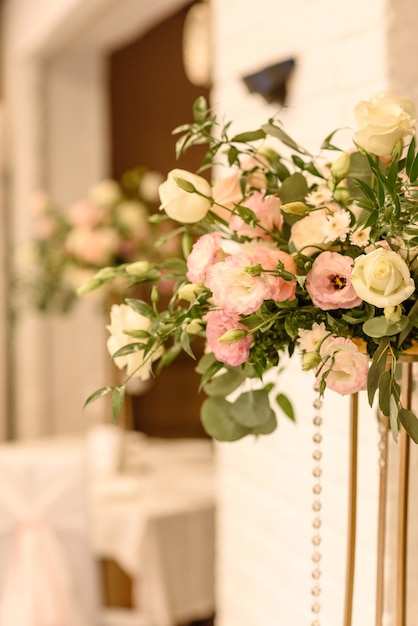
(265, 512)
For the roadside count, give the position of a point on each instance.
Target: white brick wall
(265, 513)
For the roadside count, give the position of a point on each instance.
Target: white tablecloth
(156, 520)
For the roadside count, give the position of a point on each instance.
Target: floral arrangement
(108, 227)
(287, 252)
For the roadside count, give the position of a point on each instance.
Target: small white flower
(336, 226)
(319, 197)
(309, 340)
(360, 237)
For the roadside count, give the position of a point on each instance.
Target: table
(156, 519)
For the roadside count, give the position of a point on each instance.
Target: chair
(48, 576)
(48, 573)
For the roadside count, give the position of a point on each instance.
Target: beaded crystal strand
(316, 507)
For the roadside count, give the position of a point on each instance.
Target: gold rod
(381, 524)
(404, 445)
(352, 512)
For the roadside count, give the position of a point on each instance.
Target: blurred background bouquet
(111, 225)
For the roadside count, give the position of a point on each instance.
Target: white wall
(265, 514)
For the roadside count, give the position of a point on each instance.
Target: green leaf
(267, 428)
(410, 157)
(286, 406)
(385, 381)
(129, 348)
(218, 422)
(279, 133)
(200, 109)
(410, 422)
(377, 368)
(249, 136)
(232, 155)
(205, 362)
(294, 188)
(393, 417)
(224, 384)
(414, 170)
(379, 326)
(213, 369)
(141, 307)
(176, 265)
(118, 396)
(252, 408)
(185, 343)
(392, 172)
(97, 394)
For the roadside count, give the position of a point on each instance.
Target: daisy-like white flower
(319, 197)
(360, 237)
(336, 226)
(309, 340)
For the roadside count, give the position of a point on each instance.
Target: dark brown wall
(149, 96)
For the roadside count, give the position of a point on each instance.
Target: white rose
(382, 278)
(105, 193)
(133, 216)
(123, 318)
(382, 121)
(184, 206)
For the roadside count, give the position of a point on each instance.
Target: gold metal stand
(352, 512)
(402, 518)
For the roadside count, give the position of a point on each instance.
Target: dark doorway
(149, 96)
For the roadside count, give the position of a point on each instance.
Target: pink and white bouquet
(109, 226)
(283, 252)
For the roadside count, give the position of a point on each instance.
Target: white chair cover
(47, 573)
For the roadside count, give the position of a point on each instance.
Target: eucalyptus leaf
(379, 326)
(218, 422)
(252, 408)
(205, 362)
(266, 428)
(224, 384)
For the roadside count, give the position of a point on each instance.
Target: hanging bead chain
(316, 507)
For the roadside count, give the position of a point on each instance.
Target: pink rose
(205, 252)
(95, 247)
(308, 234)
(85, 214)
(329, 282)
(267, 210)
(228, 191)
(346, 368)
(218, 323)
(234, 289)
(278, 288)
